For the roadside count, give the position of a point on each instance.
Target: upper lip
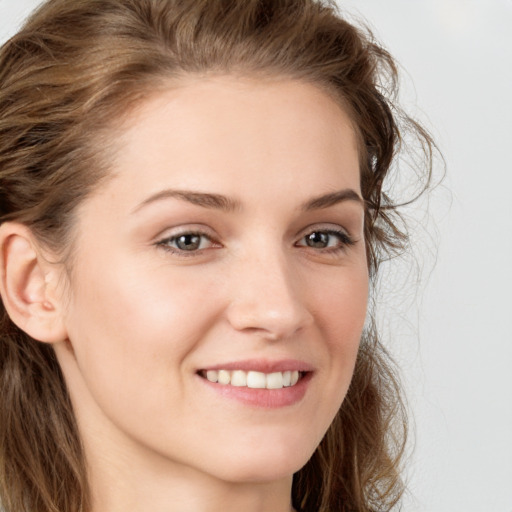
(263, 365)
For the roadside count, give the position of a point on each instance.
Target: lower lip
(263, 398)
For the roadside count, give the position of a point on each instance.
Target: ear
(29, 285)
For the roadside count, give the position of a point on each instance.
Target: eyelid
(162, 240)
(326, 227)
(346, 239)
(184, 229)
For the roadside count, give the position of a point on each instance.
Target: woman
(192, 214)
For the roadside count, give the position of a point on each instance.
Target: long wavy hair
(71, 74)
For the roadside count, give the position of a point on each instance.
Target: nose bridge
(266, 294)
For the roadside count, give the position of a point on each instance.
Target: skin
(142, 317)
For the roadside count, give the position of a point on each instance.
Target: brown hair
(65, 79)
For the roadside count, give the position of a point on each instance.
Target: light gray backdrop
(458, 56)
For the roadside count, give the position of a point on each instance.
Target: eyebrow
(206, 200)
(327, 200)
(221, 202)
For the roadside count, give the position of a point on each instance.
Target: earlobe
(28, 285)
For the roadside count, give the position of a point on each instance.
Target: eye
(326, 239)
(186, 242)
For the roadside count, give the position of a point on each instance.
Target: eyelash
(165, 243)
(345, 241)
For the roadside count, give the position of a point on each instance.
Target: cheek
(134, 299)
(343, 306)
(341, 316)
(126, 326)
(131, 334)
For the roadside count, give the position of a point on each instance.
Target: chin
(270, 462)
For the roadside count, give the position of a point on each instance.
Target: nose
(268, 298)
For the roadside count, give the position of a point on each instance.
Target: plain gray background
(456, 348)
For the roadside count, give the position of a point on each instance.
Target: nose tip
(270, 323)
(270, 305)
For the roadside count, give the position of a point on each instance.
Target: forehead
(237, 136)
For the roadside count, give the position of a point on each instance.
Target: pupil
(318, 240)
(188, 242)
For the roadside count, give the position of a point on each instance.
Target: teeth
(224, 377)
(212, 375)
(254, 380)
(239, 378)
(275, 380)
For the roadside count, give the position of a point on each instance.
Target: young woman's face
(228, 245)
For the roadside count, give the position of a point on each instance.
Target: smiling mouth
(253, 379)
